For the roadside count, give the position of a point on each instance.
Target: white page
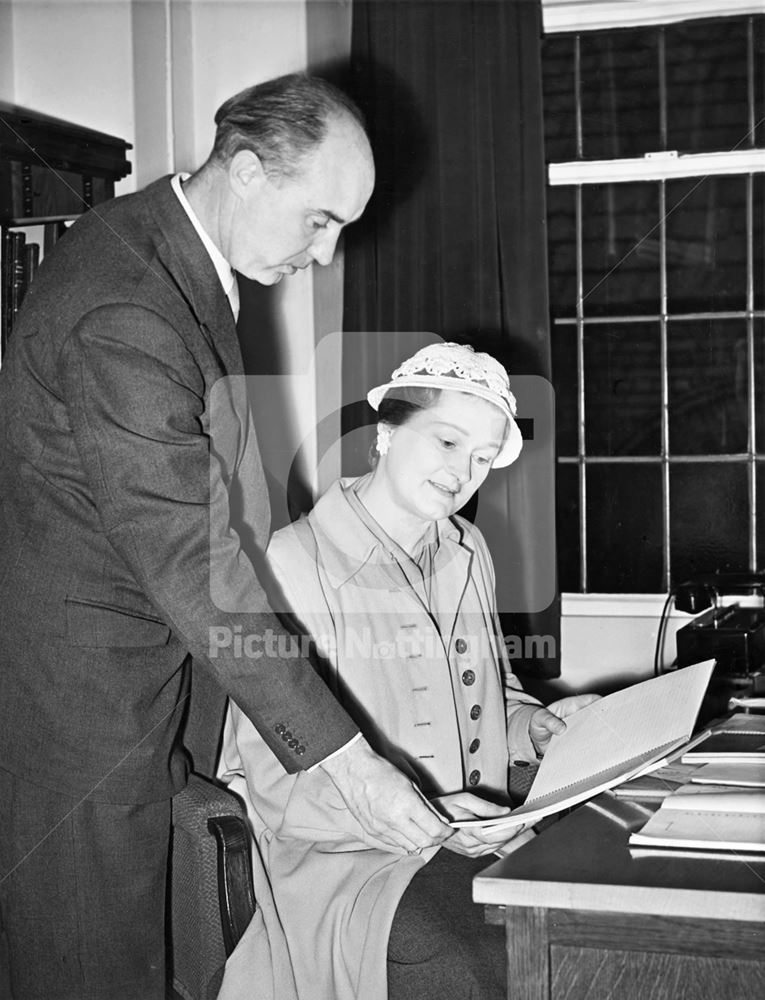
(620, 727)
(716, 798)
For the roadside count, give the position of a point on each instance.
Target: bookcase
(50, 172)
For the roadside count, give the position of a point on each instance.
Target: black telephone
(732, 633)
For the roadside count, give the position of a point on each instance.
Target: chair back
(211, 891)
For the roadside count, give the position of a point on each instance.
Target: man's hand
(386, 804)
(475, 841)
(546, 722)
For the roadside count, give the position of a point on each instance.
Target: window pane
(759, 389)
(564, 368)
(559, 97)
(760, 516)
(561, 249)
(567, 501)
(624, 529)
(620, 93)
(622, 386)
(620, 224)
(759, 82)
(707, 85)
(706, 244)
(709, 518)
(708, 387)
(759, 239)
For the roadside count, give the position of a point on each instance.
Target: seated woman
(397, 592)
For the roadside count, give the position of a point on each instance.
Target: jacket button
(475, 712)
(475, 777)
(280, 727)
(300, 751)
(461, 646)
(468, 678)
(286, 735)
(474, 744)
(292, 744)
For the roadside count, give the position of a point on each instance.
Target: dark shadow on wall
(258, 329)
(262, 340)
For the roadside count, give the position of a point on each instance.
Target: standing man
(113, 508)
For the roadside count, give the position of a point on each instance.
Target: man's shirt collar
(222, 266)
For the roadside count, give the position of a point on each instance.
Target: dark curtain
(453, 245)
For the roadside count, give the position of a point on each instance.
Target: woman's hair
(399, 405)
(281, 120)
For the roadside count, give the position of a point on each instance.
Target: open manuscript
(610, 741)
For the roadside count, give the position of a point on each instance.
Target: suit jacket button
(475, 777)
(300, 751)
(292, 744)
(280, 728)
(474, 745)
(468, 678)
(286, 735)
(461, 646)
(475, 712)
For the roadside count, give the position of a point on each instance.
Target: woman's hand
(474, 841)
(547, 722)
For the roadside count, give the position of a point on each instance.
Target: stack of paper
(708, 818)
(657, 784)
(747, 773)
(739, 738)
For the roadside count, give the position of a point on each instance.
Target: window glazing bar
(655, 317)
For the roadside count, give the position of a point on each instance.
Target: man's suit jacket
(112, 504)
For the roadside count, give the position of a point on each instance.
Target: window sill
(616, 606)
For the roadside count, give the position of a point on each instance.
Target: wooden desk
(585, 919)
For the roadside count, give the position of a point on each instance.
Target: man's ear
(246, 173)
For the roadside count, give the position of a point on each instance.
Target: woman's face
(441, 455)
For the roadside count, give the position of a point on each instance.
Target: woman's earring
(383, 442)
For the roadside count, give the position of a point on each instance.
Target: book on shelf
(31, 262)
(18, 272)
(714, 818)
(610, 741)
(6, 254)
(21, 259)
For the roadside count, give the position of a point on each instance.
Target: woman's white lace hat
(460, 368)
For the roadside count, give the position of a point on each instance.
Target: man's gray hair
(281, 120)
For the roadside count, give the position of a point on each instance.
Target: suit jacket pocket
(92, 624)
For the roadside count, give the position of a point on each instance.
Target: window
(656, 221)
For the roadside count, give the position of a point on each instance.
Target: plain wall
(73, 59)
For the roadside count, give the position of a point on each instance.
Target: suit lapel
(185, 257)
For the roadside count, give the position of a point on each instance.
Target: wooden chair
(211, 891)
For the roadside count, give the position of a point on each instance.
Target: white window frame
(657, 167)
(591, 15)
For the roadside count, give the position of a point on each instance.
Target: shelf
(37, 220)
(51, 172)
